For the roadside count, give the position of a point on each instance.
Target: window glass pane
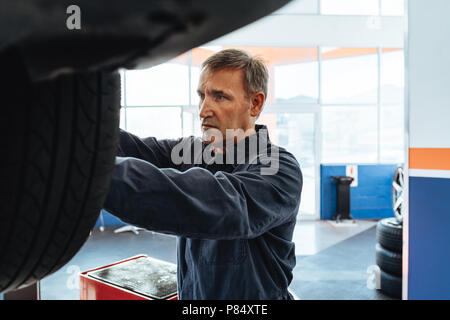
(391, 134)
(295, 132)
(188, 124)
(122, 118)
(297, 83)
(393, 7)
(349, 134)
(164, 84)
(392, 76)
(195, 78)
(350, 7)
(349, 75)
(162, 123)
(197, 126)
(122, 92)
(293, 72)
(299, 7)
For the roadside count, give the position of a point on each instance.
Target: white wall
(428, 72)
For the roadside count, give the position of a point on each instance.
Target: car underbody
(113, 34)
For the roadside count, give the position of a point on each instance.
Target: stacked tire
(389, 256)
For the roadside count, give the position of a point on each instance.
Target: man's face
(224, 103)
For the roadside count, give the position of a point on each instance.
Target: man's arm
(199, 204)
(157, 152)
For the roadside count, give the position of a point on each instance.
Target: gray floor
(338, 272)
(331, 261)
(311, 237)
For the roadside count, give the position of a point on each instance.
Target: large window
(391, 106)
(391, 133)
(358, 90)
(155, 121)
(362, 105)
(165, 84)
(155, 101)
(296, 78)
(392, 76)
(349, 75)
(349, 134)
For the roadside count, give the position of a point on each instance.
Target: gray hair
(254, 69)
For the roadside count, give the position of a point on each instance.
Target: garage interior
(348, 87)
(324, 269)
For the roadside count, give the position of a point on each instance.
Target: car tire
(59, 141)
(388, 261)
(397, 193)
(391, 284)
(390, 234)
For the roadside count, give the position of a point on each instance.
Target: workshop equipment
(342, 198)
(136, 278)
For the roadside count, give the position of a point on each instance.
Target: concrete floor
(340, 271)
(311, 237)
(102, 248)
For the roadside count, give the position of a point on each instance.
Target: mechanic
(234, 221)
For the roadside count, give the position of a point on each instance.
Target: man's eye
(220, 97)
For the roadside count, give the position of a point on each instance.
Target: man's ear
(256, 103)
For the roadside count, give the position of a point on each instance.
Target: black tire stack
(389, 256)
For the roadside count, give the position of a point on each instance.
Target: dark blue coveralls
(234, 224)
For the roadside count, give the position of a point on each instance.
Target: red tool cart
(137, 278)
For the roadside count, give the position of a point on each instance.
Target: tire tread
(66, 141)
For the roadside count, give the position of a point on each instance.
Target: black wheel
(390, 234)
(391, 284)
(388, 261)
(397, 193)
(58, 147)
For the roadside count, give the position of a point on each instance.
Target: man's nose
(205, 109)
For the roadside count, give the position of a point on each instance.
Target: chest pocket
(223, 252)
